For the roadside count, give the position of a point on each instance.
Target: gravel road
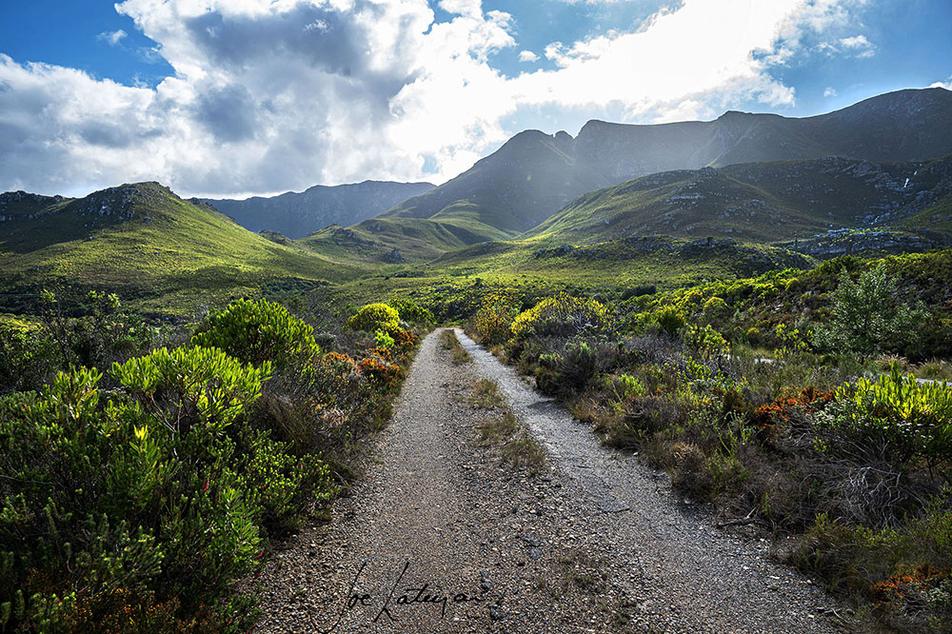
(440, 535)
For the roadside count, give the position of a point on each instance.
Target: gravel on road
(441, 535)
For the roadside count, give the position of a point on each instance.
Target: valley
(689, 376)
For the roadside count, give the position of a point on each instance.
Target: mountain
(764, 202)
(144, 242)
(534, 174)
(296, 214)
(512, 189)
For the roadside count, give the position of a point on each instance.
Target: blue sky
(300, 92)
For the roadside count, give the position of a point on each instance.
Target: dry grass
(486, 395)
(523, 451)
(518, 448)
(451, 342)
(495, 431)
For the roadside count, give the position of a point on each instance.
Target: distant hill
(392, 238)
(144, 242)
(298, 214)
(534, 174)
(765, 202)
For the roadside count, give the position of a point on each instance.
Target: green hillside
(144, 242)
(394, 239)
(760, 202)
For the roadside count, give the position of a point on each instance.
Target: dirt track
(440, 536)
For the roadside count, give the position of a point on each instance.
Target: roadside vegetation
(144, 468)
(516, 445)
(791, 402)
(450, 342)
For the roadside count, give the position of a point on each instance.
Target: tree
(867, 316)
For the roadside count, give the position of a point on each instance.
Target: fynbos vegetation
(773, 399)
(139, 483)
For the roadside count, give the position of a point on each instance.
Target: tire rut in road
(439, 513)
(689, 575)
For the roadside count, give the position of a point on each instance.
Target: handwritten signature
(419, 595)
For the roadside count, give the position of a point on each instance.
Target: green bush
(906, 570)
(580, 364)
(904, 421)
(141, 503)
(715, 309)
(374, 317)
(96, 331)
(626, 387)
(28, 357)
(412, 312)
(383, 340)
(867, 316)
(256, 331)
(668, 319)
(706, 341)
(560, 316)
(493, 320)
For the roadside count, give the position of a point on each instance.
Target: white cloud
(942, 84)
(830, 91)
(269, 95)
(528, 56)
(859, 45)
(113, 38)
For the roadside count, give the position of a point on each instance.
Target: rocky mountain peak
(121, 202)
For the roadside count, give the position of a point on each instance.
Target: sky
(241, 97)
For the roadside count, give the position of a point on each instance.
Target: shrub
(383, 340)
(28, 358)
(867, 316)
(114, 504)
(670, 320)
(715, 309)
(493, 321)
(580, 364)
(374, 317)
(753, 336)
(791, 341)
(903, 420)
(411, 312)
(560, 316)
(906, 570)
(706, 341)
(386, 374)
(256, 331)
(405, 339)
(626, 386)
(644, 417)
(103, 333)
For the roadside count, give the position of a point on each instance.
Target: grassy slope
(454, 279)
(746, 201)
(169, 254)
(416, 239)
(936, 218)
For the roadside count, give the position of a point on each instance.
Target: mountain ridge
(552, 170)
(297, 214)
(763, 202)
(143, 240)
